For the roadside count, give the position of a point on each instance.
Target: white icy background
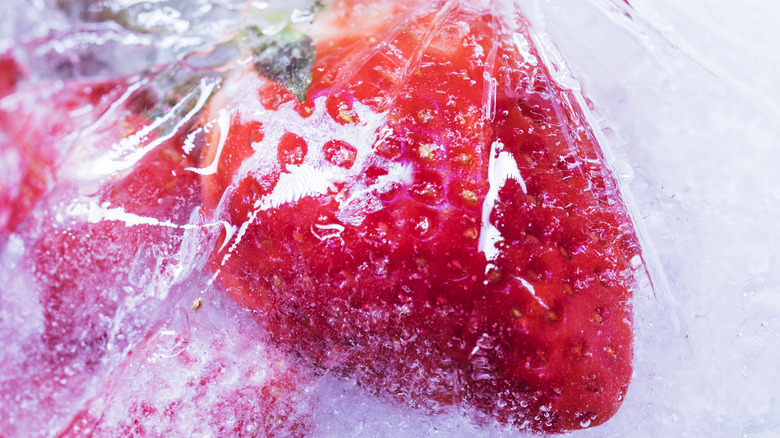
(687, 96)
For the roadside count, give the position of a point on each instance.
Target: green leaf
(286, 57)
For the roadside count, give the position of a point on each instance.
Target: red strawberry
(435, 220)
(101, 259)
(34, 141)
(140, 213)
(85, 268)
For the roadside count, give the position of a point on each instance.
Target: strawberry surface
(34, 143)
(85, 267)
(435, 220)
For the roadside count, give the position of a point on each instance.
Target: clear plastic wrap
(357, 218)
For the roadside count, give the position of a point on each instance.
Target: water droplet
(423, 225)
(301, 15)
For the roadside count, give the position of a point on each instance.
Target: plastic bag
(226, 235)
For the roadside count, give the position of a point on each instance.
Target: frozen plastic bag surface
(422, 209)
(164, 145)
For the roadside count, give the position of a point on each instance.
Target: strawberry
(209, 378)
(100, 254)
(77, 258)
(84, 267)
(435, 220)
(34, 143)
